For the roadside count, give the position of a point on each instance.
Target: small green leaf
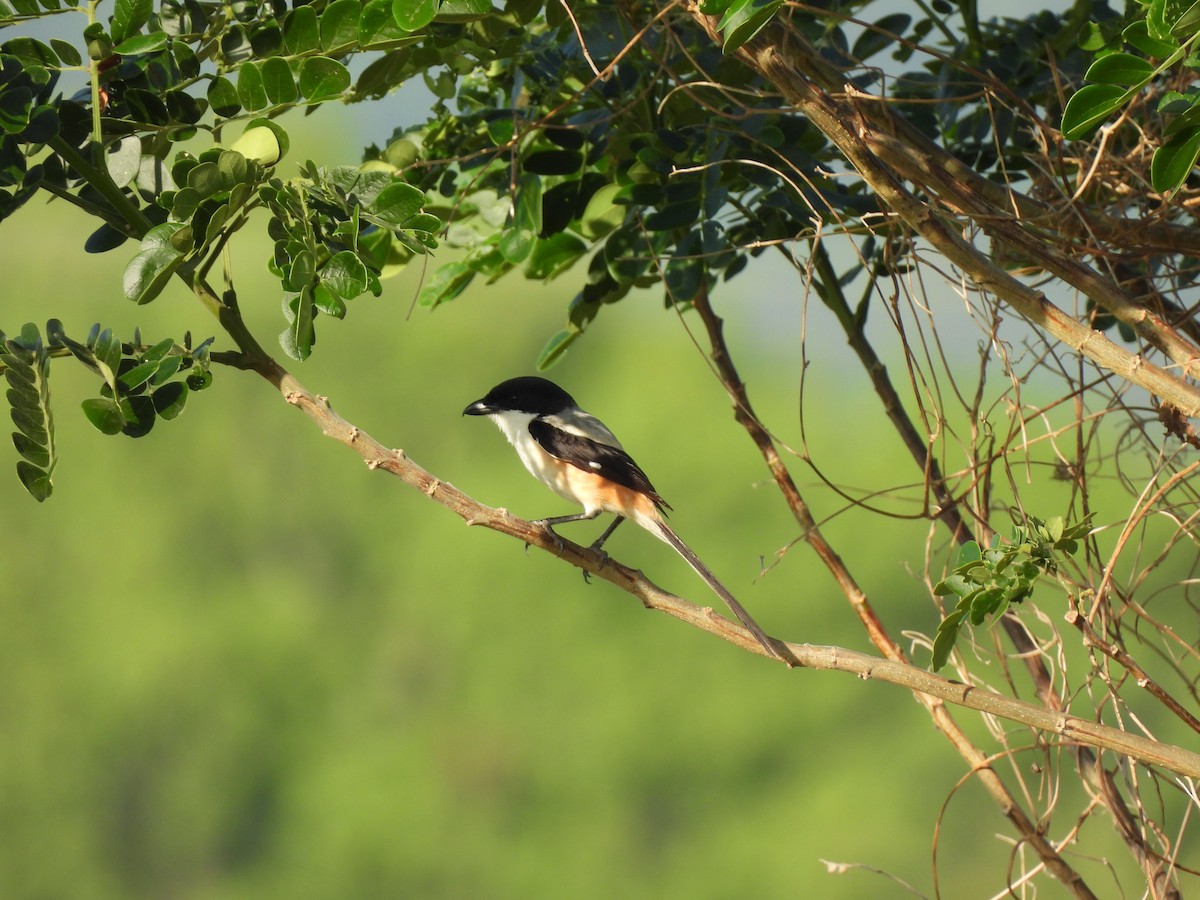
(1137, 35)
(302, 272)
(339, 24)
(36, 480)
(1185, 26)
(516, 243)
(1174, 161)
(882, 35)
(128, 16)
(397, 203)
(297, 339)
(463, 10)
(251, 92)
(1088, 107)
(345, 275)
(1119, 68)
(170, 399)
(278, 83)
(149, 272)
(553, 162)
(447, 283)
(142, 43)
(602, 215)
(223, 97)
(27, 370)
(554, 255)
(322, 78)
(137, 376)
(301, 33)
(139, 416)
(947, 634)
(105, 414)
(556, 347)
(412, 15)
(969, 552)
(67, 52)
(744, 19)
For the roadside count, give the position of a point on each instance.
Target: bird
(576, 455)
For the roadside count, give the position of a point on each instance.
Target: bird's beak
(478, 408)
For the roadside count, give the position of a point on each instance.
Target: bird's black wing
(607, 461)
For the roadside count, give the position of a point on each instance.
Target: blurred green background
(235, 663)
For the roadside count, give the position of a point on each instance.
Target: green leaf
(339, 24)
(1137, 35)
(447, 283)
(105, 414)
(1088, 107)
(128, 16)
(880, 36)
(223, 97)
(170, 399)
(556, 347)
(322, 78)
(139, 415)
(1174, 161)
(744, 19)
(516, 243)
(553, 162)
(301, 33)
(297, 339)
(463, 10)
(137, 376)
(397, 203)
(36, 480)
(1119, 68)
(969, 552)
(602, 215)
(412, 15)
(1185, 26)
(377, 28)
(278, 83)
(947, 634)
(27, 370)
(142, 43)
(345, 275)
(123, 159)
(553, 255)
(67, 52)
(302, 272)
(251, 92)
(150, 270)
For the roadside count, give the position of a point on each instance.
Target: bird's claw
(558, 541)
(604, 557)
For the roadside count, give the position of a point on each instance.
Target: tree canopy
(1039, 169)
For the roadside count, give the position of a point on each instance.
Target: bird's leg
(598, 544)
(549, 524)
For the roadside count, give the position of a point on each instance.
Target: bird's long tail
(663, 531)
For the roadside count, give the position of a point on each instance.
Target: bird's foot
(596, 548)
(545, 525)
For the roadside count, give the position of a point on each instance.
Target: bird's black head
(528, 394)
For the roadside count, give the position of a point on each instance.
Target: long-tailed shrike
(575, 455)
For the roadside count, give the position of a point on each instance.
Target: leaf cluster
(1164, 34)
(138, 385)
(988, 581)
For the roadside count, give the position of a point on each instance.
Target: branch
(845, 125)
(813, 656)
(859, 602)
